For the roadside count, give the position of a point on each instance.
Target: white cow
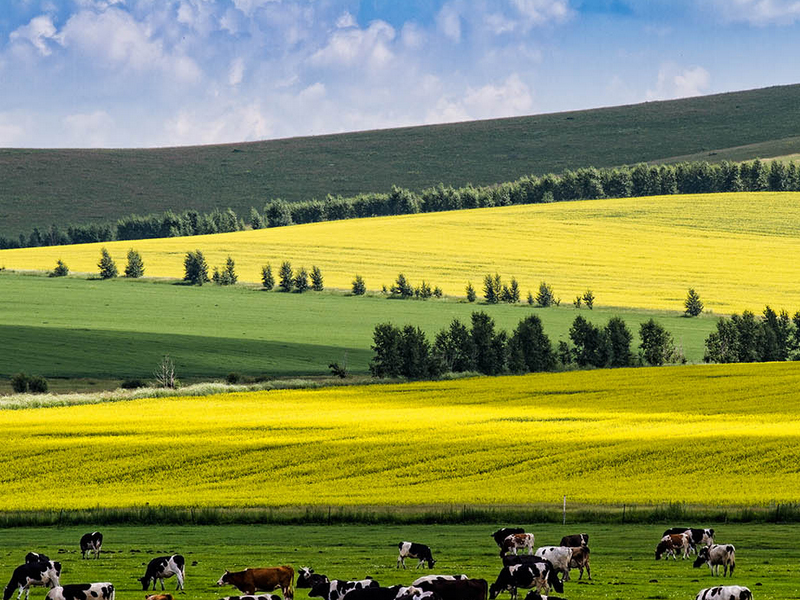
(559, 556)
(726, 592)
(716, 556)
(82, 591)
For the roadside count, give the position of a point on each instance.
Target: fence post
(564, 510)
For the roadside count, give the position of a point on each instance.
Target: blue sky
(140, 73)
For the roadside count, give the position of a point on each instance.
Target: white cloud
(350, 47)
(512, 97)
(674, 82)
(38, 32)
(236, 72)
(345, 21)
(449, 21)
(90, 129)
(539, 12)
(11, 132)
(757, 12)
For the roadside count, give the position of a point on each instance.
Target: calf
(91, 542)
(35, 557)
(696, 536)
(29, 575)
(418, 551)
(578, 539)
(725, 592)
(517, 540)
(580, 560)
(265, 579)
(82, 591)
(306, 578)
(336, 589)
(261, 597)
(504, 532)
(457, 589)
(673, 543)
(716, 556)
(559, 557)
(542, 576)
(164, 567)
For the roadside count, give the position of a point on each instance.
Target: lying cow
(261, 597)
(306, 578)
(164, 567)
(264, 579)
(572, 541)
(396, 592)
(30, 575)
(432, 578)
(418, 551)
(716, 556)
(158, 597)
(515, 541)
(725, 592)
(696, 536)
(336, 589)
(672, 544)
(82, 591)
(580, 560)
(542, 576)
(457, 589)
(503, 533)
(559, 557)
(35, 557)
(91, 542)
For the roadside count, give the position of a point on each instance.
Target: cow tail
(733, 563)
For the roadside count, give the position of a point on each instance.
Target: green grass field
(623, 567)
(41, 187)
(78, 328)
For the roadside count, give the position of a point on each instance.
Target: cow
(164, 567)
(559, 557)
(503, 533)
(336, 589)
(542, 576)
(30, 575)
(534, 595)
(428, 578)
(158, 597)
(696, 536)
(306, 578)
(264, 579)
(82, 591)
(35, 557)
(580, 560)
(457, 589)
(396, 592)
(673, 543)
(418, 551)
(517, 540)
(725, 592)
(91, 542)
(572, 541)
(260, 597)
(716, 556)
(510, 560)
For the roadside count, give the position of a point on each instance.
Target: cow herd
(541, 570)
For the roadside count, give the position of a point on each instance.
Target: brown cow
(158, 597)
(457, 589)
(580, 560)
(265, 579)
(517, 540)
(672, 544)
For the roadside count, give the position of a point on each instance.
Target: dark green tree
(590, 346)
(286, 277)
(454, 349)
(693, 304)
(359, 286)
(61, 270)
(228, 275)
(415, 353)
(267, 279)
(722, 345)
(135, 267)
(619, 339)
(402, 288)
(471, 295)
(278, 214)
(256, 220)
(489, 358)
(588, 299)
(492, 288)
(656, 343)
(545, 296)
(386, 345)
(530, 349)
(316, 279)
(301, 281)
(195, 268)
(107, 266)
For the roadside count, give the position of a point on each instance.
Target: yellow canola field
(718, 435)
(739, 251)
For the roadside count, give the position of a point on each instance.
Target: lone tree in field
(286, 277)
(61, 270)
(195, 268)
(135, 266)
(471, 295)
(316, 279)
(693, 304)
(165, 373)
(359, 286)
(107, 266)
(267, 280)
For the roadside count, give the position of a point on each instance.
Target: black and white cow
(164, 567)
(716, 556)
(573, 541)
(35, 557)
(31, 575)
(517, 540)
(559, 556)
(504, 532)
(82, 591)
(725, 592)
(673, 544)
(396, 592)
(542, 576)
(259, 597)
(91, 542)
(336, 589)
(418, 551)
(696, 536)
(306, 578)
(534, 595)
(436, 578)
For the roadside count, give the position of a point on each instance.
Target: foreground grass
(622, 556)
(684, 434)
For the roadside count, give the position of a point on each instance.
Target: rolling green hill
(40, 187)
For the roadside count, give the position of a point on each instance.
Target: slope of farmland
(41, 187)
(679, 434)
(738, 250)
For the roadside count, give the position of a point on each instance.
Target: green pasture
(42, 187)
(622, 556)
(78, 328)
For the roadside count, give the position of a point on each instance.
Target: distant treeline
(581, 184)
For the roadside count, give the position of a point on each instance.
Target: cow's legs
(179, 577)
(421, 562)
(588, 571)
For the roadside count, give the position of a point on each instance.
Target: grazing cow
(31, 575)
(264, 579)
(696, 536)
(82, 591)
(559, 557)
(716, 556)
(517, 540)
(457, 589)
(504, 532)
(91, 542)
(396, 592)
(418, 551)
(578, 539)
(306, 578)
(672, 544)
(164, 567)
(336, 589)
(260, 597)
(580, 560)
(534, 595)
(158, 597)
(509, 560)
(35, 557)
(542, 576)
(725, 592)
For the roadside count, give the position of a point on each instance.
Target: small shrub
(437, 292)
(233, 378)
(37, 384)
(267, 280)
(359, 286)
(424, 291)
(135, 266)
(19, 383)
(402, 288)
(545, 297)
(132, 384)
(577, 302)
(61, 270)
(316, 279)
(588, 299)
(471, 295)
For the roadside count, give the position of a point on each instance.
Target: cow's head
(746, 595)
(662, 547)
(554, 582)
(225, 579)
(8, 592)
(494, 590)
(431, 562)
(145, 581)
(702, 558)
(319, 591)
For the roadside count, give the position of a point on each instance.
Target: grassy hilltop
(41, 187)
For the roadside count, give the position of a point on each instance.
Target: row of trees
(289, 280)
(407, 352)
(586, 183)
(750, 338)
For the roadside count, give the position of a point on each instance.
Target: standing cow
(696, 536)
(30, 575)
(516, 541)
(164, 567)
(418, 551)
(91, 542)
(716, 556)
(559, 556)
(580, 561)
(336, 589)
(504, 532)
(306, 578)
(672, 544)
(457, 589)
(572, 541)
(35, 557)
(82, 591)
(264, 579)
(542, 576)
(725, 592)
